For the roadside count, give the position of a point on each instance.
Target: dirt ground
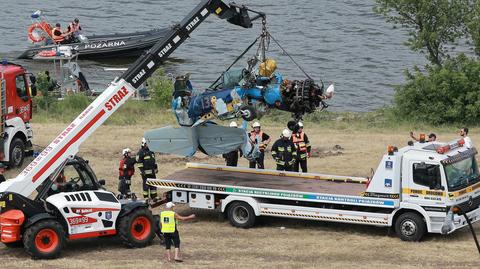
(211, 242)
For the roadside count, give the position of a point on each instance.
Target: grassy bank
(211, 242)
(136, 112)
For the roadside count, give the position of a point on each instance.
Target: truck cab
(16, 89)
(430, 178)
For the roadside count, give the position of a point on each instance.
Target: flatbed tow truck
(425, 187)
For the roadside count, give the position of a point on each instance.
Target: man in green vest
(169, 224)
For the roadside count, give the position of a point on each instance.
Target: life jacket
(123, 166)
(57, 38)
(299, 140)
(168, 222)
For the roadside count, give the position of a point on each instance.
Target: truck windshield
(462, 174)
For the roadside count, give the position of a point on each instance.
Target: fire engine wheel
(44, 239)
(137, 229)
(241, 215)
(17, 152)
(410, 227)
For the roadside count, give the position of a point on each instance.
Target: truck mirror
(33, 79)
(101, 182)
(33, 89)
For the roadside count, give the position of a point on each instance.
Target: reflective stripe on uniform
(167, 219)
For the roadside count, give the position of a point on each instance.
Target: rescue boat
(105, 46)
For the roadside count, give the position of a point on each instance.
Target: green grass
(136, 112)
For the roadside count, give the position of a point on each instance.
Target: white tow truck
(58, 197)
(425, 187)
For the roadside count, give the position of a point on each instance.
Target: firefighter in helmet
(148, 169)
(260, 139)
(284, 152)
(126, 170)
(302, 144)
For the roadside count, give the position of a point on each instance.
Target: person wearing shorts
(169, 228)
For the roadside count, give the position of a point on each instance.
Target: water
(336, 41)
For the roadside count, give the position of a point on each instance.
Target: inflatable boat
(106, 46)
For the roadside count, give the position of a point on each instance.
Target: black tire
(241, 215)
(18, 244)
(132, 228)
(33, 235)
(17, 153)
(410, 227)
(250, 113)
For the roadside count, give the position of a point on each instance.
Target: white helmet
(144, 141)
(169, 205)
(256, 124)
(125, 151)
(286, 133)
(233, 124)
(300, 124)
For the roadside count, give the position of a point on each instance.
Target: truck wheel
(137, 228)
(410, 227)
(241, 215)
(44, 239)
(17, 153)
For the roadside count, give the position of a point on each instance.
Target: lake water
(336, 41)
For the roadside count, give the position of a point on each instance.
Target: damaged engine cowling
(302, 96)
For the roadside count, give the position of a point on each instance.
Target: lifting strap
(234, 62)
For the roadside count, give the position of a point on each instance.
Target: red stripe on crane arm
(71, 142)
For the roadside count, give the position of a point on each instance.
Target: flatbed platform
(268, 179)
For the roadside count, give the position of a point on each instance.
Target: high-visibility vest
(299, 141)
(57, 38)
(167, 219)
(256, 138)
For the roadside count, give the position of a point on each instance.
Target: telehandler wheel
(410, 227)
(17, 153)
(241, 215)
(44, 239)
(137, 229)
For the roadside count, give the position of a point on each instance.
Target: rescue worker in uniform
(302, 144)
(231, 158)
(58, 36)
(126, 170)
(284, 152)
(73, 29)
(257, 137)
(169, 228)
(148, 169)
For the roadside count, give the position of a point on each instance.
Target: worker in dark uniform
(148, 169)
(231, 158)
(260, 139)
(302, 144)
(126, 170)
(169, 228)
(284, 152)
